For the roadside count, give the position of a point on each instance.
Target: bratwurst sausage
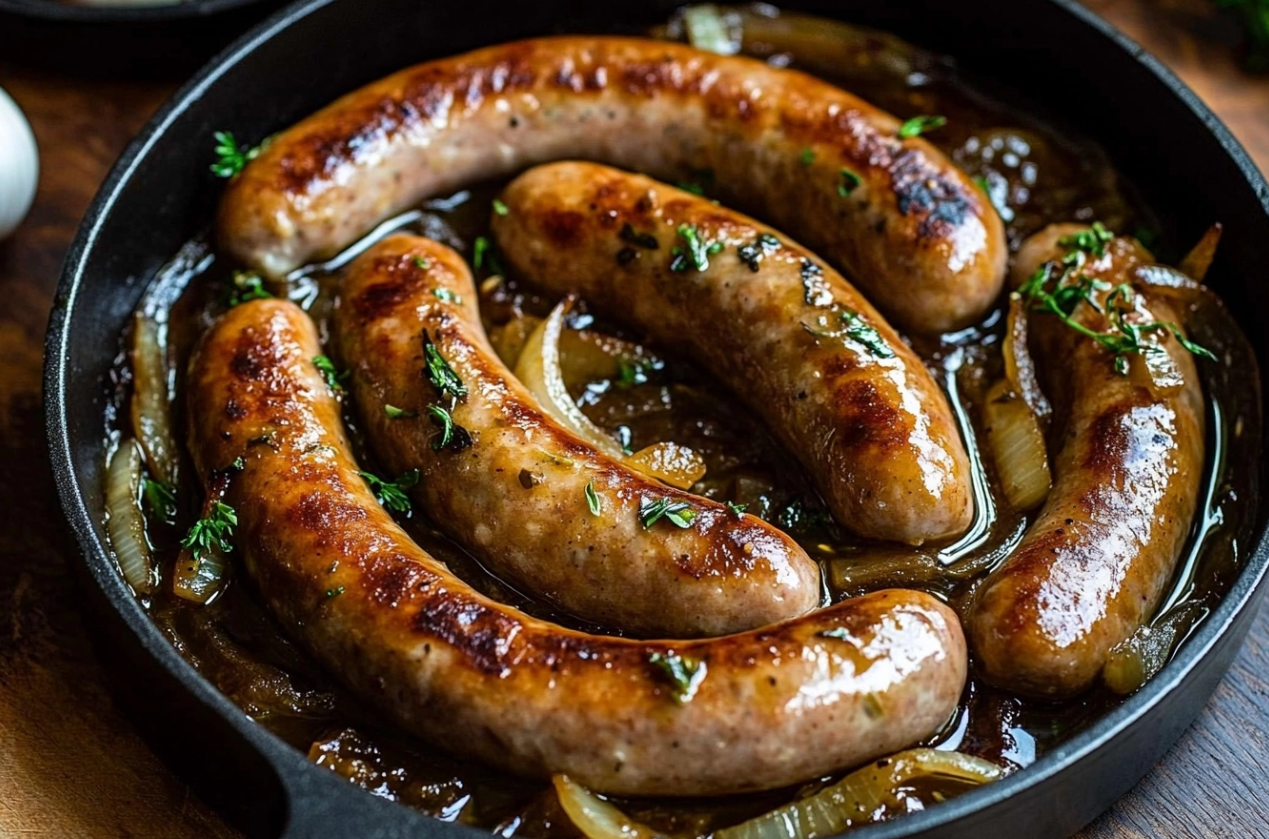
(894, 213)
(760, 710)
(514, 492)
(832, 380)
(1093, 565)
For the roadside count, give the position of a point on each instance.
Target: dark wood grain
(69, 764)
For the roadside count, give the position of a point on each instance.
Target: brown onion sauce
(1042, 175)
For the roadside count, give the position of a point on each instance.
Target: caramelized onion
(508, 340)
(1197, 262)
(1135, 660)
(1017, 446)
(151, 410)
(880, 789)
(539, 369)
(670, 463)
(1019, 366)
(125, 523)
(595, 817)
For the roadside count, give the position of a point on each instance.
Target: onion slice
(1017, 446)
(539, 369)
(151, 409)
(200, 577)
(1019, 365)
(864, 796)
(594, 817)
(670, 463)
(1197, 262)
(125, 523)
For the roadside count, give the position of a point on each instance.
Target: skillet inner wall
(173, 198)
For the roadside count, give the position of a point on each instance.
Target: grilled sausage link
(764, 709)
(909, 227)
(834, 383)
(517, 496)
(1127, 472)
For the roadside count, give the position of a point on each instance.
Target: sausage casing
(894, 213)
(517, 496)
(1129, 463)
(833, 381)
(769, 708)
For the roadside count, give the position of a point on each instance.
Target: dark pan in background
(1181, 159)
(164, 41)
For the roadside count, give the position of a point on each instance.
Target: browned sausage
(1126, 479)
(832, 380)
(765, 709)
(894, 213)
(516, 496)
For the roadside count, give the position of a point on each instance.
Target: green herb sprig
(678, 513)
(918, 125)
(231, 158)
(592, 498)
(696, 254)
(333, 375)
(684, 674)
(392, 494)
(439, 373)
(244, 286)
(212, 532)
(160, 500)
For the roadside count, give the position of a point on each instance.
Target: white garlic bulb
(19, 165)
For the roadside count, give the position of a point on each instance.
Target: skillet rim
(1237, 605)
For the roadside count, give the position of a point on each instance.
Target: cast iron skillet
(160, 194)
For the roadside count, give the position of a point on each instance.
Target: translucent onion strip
(151, 410)
(678, 466)
(198, 578)
(1017, 447)
(539, 369)
(125, 523)
(1019, 366)
(865, 796)
(1136, 660)
(594, 817)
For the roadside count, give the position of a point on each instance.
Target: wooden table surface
(71, 767)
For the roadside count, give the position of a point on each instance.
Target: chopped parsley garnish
(334, 592)
(446, 295)
(394, 412)
(697, 253)
(212, 532)
(684, 674)
(638, 238)
(453, 436)
(861, 332)
(160, 500)
(391, 494)
(500, 208)
(484, 254)
(438, 371)
(1091, 241)
(592, 498)
(847, 181)
(244, 286)
(333, 376)
(856, 329)
(808, 156)
(678, 513)
(231, 158)
(919, 125)
(422, 263)
(737, 509)
(759, 249)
